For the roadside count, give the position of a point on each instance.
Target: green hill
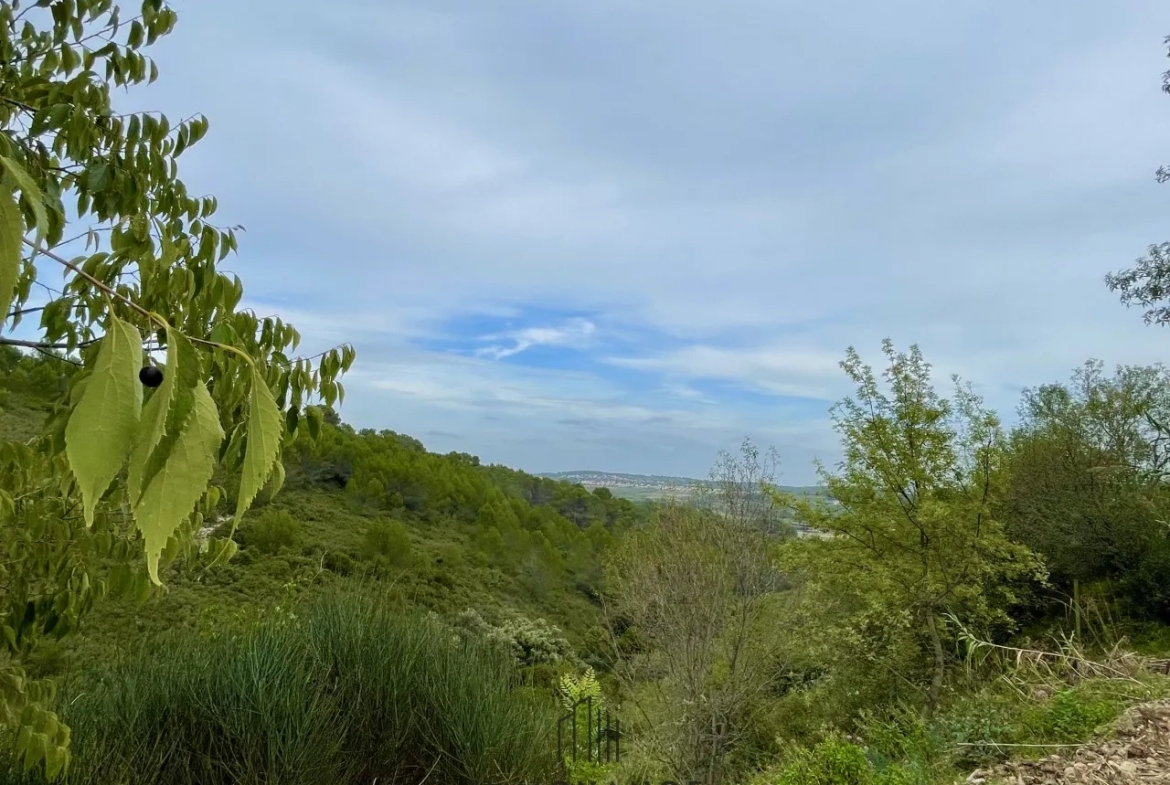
(376, 509)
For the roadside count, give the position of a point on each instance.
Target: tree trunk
(940, 666)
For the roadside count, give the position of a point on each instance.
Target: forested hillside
(439, 532)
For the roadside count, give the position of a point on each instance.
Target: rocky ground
(1136, 750)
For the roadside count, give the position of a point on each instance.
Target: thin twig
(49, 354)
(107, 290)
(38, 345)
(22, 312)
(999, 744)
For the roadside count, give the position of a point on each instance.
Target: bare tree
(738, 488)
(694, 586)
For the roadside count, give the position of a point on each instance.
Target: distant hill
(638, 487)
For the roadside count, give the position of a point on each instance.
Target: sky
(624, 236)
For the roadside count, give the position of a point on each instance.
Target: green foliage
(1072, 716)
(347, 692)
(915, 535)
(176, 488)
(1086, 482)
(265, 429)
(11, 244)
(271, 531)
(833, 761)
(529, 642)
(572, 690)
(103, 425)
(146, 280)
(445, 570)
(389, 540)
(696, 588)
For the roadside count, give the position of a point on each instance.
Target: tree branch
(94, 281)
(44, 346)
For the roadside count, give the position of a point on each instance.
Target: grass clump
(343, 692)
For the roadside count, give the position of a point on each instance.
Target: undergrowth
(1019, 703)
(342, 691)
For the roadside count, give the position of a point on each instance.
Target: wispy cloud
(574, 333)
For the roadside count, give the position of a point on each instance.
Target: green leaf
(99, 177)
(177, 487)
(313, 415)
(277, 480)
(11, 238)
(32, 194)
(164, 414)
(265, 429)
(56, 759)
(102, 427)
(224, 549)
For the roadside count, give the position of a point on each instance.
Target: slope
(373, 509)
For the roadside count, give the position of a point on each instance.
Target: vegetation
(343, 692)
(107, 475)
(209, 577)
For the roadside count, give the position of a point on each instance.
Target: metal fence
(603, 734)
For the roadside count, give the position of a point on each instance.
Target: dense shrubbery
(344, 691)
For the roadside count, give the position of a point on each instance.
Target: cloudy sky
(624, 235)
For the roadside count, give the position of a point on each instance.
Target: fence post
(589, 729)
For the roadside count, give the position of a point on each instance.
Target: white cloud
(791, 371)
(731, 194)
(573, 333)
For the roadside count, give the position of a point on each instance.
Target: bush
(345, 693)
(1071, 716)
(389, 540)
(338, 562)
(833, 761)
(529, 642)
(270, 531)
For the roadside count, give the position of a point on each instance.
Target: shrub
(346, 692)
(1071, 716)
(530, 642)
(389, 540)
(338, 562)
(270, 531)
(834, 761)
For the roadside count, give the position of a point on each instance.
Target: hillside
(642, 487)
(377, 510)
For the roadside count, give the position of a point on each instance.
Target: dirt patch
(1136, 750)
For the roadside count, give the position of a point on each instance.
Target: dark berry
(151, 376)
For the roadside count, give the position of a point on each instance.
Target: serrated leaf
(102, 427)
(164, 414)
(265, 430)
(177, 487)
(32, 193)
(276, 482)
(11, 238)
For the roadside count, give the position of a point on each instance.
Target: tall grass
(348, 692)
